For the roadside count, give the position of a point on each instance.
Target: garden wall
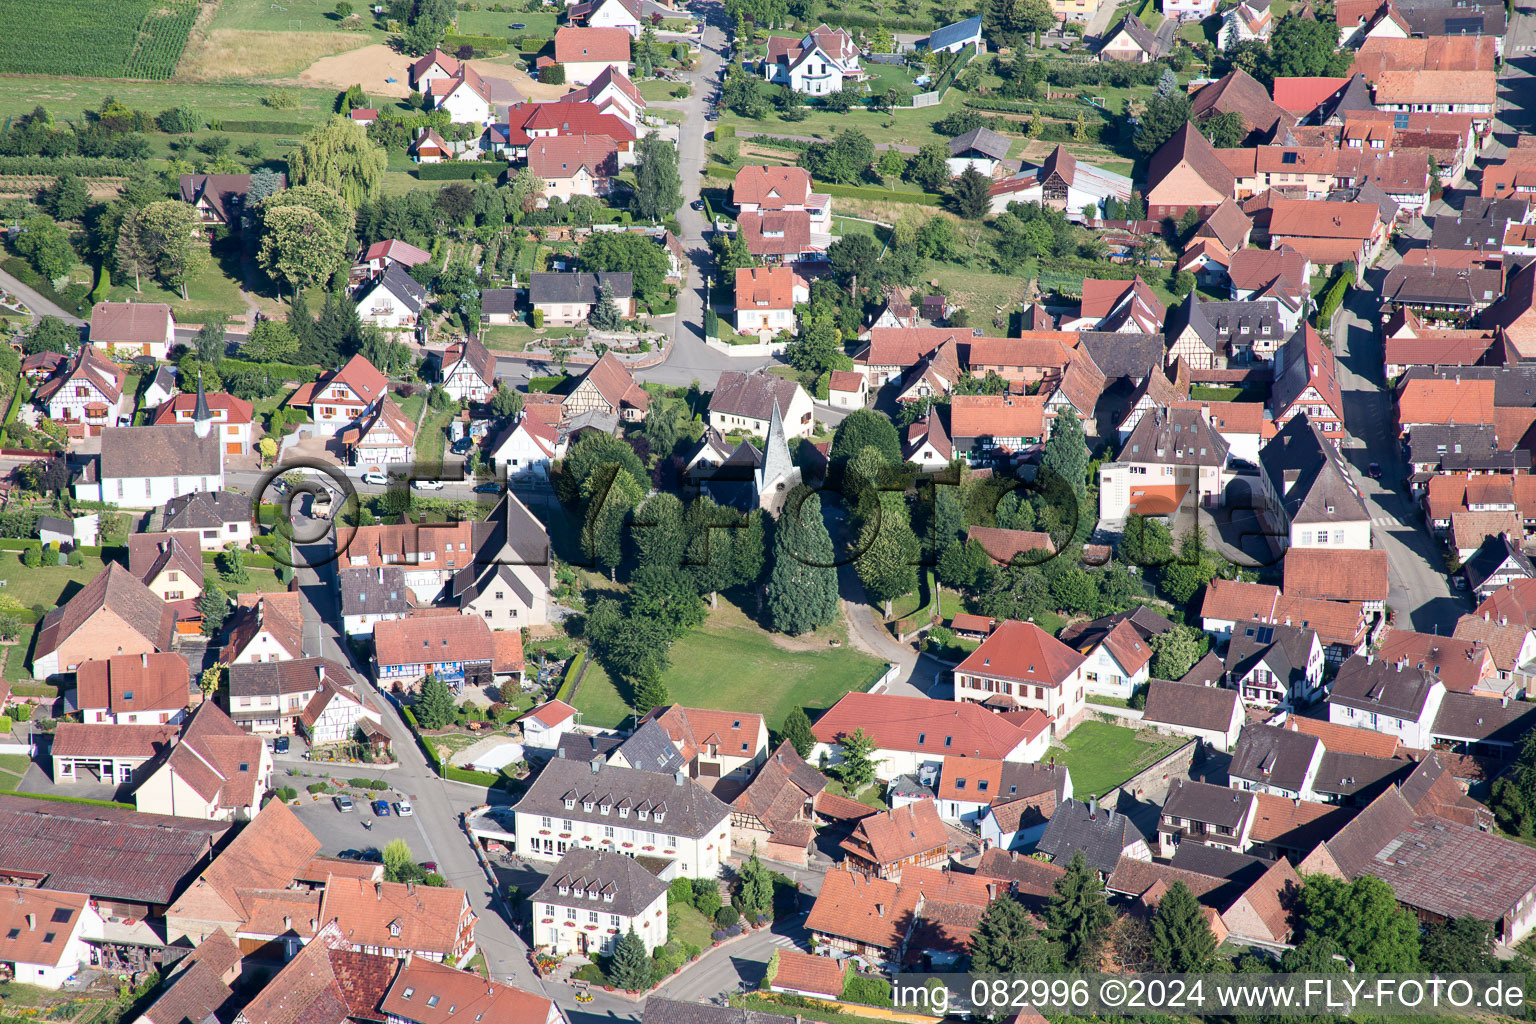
(758, 351)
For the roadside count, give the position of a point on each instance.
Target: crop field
(98, 38)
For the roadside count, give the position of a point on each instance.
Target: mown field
(97, 38)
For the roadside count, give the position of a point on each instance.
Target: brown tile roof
(1393, 87)
(777, 232)
(1271, 898)
(270, 851)
(1431, 400)
(428, 640)
(197, 987)
(616, 384)
(778, 793)
(1470, 529)
(218, 759)
(91, 366)
(1459, 664)
(919, 724)
(904, 346)
(1442, 53)
(1327, 574)
(1344, 739)
(1133, 877)
(804, 972)
(459, 996)
(1227, 224)
(1006, 545)
(428, 918)
(130, 322)
(1189, 146)
(1316, 218)
(1514, 602)
(1029, 876)
(150, 554)
(1022, 652)
(694, 729)
(115, 589)
(133, 682)
(586, 45)
(1296, 824)
(973, 416)
(752, 395)
(772, 188)
(278, 613)
(72, 739)
(37, 926)
(901, 832)
(861, 909)
(1239, 93)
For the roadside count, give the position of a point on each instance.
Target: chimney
(381, 574)
(1370, 659)
(320, 671)
(287, 922)
(144, 660)
(378, 891)
(560, 752)
(1093, 808)
(31, 922)
(594, 766)
(680, 777)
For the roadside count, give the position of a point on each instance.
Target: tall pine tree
(1077, 917)
(889, 552)
(630, 968)
(1006, 941)
(329, 332)
(802, 588)
(302, 323)
(1181, 939)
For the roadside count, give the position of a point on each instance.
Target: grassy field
(507, 337)
(978, 291)
(656, 90)
(686, 924)
(66, 97)
(844, 226)
(45, 585)
(909, 126)
(432, 436)
(215, 286)
(1102, 756)
(499, 23)
(12, 768)
(731, 664)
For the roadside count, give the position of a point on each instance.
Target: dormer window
(569, 804)
(623, 812)
(586, 805)
(644, 814)
(394, 929)
(565, 890)
(608, 897)
(660, 815)
(578, 893)
(604, 808)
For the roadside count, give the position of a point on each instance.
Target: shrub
(31, 558)
(286, 794)
(718, 935)
(552, 74)
(319, 787)
(727, 916)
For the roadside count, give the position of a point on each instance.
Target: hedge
(485, 779)
(19, 543)
(859, 19)
(572, 671)
(23, 689)
(1333, 300)
(268, 127)
(480, 44)
(60, 799)
(287, 371)
(85, 166)
(459, 170)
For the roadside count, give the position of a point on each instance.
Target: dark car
(462, 445)
(349, 855)
(280, 745)
(381, 808)
(489, 487)
(697, 204)
(1374, 469)
(371, 856)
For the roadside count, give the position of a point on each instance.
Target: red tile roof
(130, 322)
(892, 836)
(429, 640)
(564, 156)
(1022, 652)
(921, 724)
(1006, 545)
(997, 416)
(1304, 95)
(777, 233)
(131, 682)
(1328, 574)
(804, 972)
(767, 288)
(586, 45)
(772, 188)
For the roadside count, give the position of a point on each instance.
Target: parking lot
(338, 831)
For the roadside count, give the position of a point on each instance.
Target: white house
(819, 63)
(531, 445)
(43, 934)
(1116, 650)
(385, 438)
(1189, 10)
(1212, 714)
(544, 725)
(594, 897)
(208, 520)
(265, 627)
(915, 735)
(469, 372)
(589, 52)
(766, 298)
(744, 402)
(144, 689)
(956, 37)
(128, 329)
(1274, 666)
(233, 418)
(1398, 699)
(341, 397)
(577, 805)
(392, 300)
(88, 396)
(217, 772)
(333, 715)
(624, 14)
(140, 467)
(370, 595)
(1063, 183)
(1020, 666)
(1249, 20)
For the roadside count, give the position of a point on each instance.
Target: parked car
(403, 808)
(462, 446)
(1458, 581)
(697, 204)
(349, 855)
(381, 808)
(343, 802)
(427, 485)
(429, 865)
(489, 487)
(1374, 470)
(280, 745)
(376, 478)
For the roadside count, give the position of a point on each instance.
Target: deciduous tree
(339, 154)
(658, 186)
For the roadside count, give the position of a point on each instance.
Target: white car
(403, 808)
(376, 478)
(427, 485)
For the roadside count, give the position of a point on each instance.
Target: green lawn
(686, 924)
(432, 436)
(978, 291)
(66, 97)
(46, 584)
(871, 796)
(499, 23)
(412, 406)
(731, 664)
(844, 226)
(507, 337)
(1102, 756)
(909, 125)
(210, 289)
(12, 768)
(657, 89)
(1203, 393)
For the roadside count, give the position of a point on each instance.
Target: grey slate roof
(1356, 95)
(650, 749)
(1216, 862)
(1099, 832)
(951, 34)
(1484, 719)
(205, 510)
(1491, 557)
(601, 874)
(1175, 437)
(380, 590)
(583, 748)
(498, 300)
(1123, 354)
(982, 140)
(751, 395)
(404, 287)
(1371, 684)
(270, 678)
(1284, 649)
(688, 809)
(175, 450)
(1357, 778)
(1201, 801)
(1273, 756)
(1239, 323)
(1479, 225)
(1190, 705)
(1461, 447)
(1308, 472)
(579, 287)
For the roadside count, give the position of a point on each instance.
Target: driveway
(35, 301)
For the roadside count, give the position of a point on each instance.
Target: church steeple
(202, 419)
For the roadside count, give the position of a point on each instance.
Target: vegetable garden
(99, 38)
